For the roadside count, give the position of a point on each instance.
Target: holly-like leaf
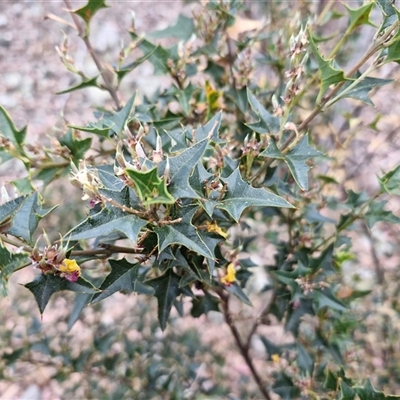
(359, 16)
(78, 148)
(182, 30)
(87, 12)
(325, 298)
(99, 128)
(267, 122)
(272, 150)
(9, 262)
(45, 285)
(105, 222)
(296, 160)
(181, 168)
(368, 392)
(84, 84)
(241, 195)
(120, 118)
(183, 233)
(377, 213)
(237, 291)
(390, 181)
(126, 69)
(346, 392)
(203, 304)
(27, 218)
(388, 12)
(7, 210)
(158, 55)
(166, 289)
(304, 360)
(209, 130)
(362, 89)
(17, 137)
(330, 75)
(124, 277)
(149, 187)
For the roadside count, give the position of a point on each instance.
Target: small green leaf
(105, 222)
(120, 118)
(388, 12)
(330, 75)
(126, 69)
(363, 87)
(272, 150)
(166, 290)
(296, 161)
(368, 392)
(359, 16)
(181, 168)
(8, 210)
(84, 84)
(27, 218)
(23, 185)
(87, 12)
(183, 233)
(204, 304)
(158, 55)
(325, 298)
(183, 30)
(210, 129)
(346, 392)
(390, 181)
(149, 187)
(330, 381)
(304, 361)
(45, 285)
(377, 213)
(78, 148)
(241, 195)
(267, 122)
(124, 277)
(9, 262)
(237, 291)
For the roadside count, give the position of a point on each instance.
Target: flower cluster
(52, 261)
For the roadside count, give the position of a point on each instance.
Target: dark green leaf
(181, 168)
(325, 298)
(87, 12)
(149, 187)
(98, 128)
(27, 218)
(9, 262)
(272, 150)
(183, 30)
(78, 148)
(119, 120)
(267, 122)
(362, 89)
(296, 160)
(183, 234)
(241, 195)
(124, 277)
(84, 84)
(377, 213)
(237, 291)
(45, 285)
(105, 222)
(24, 185)
(204, 304)
(209, 130)
(330, 381)
(7, 210)
(346, 392)
(368, 392)
(166, 290)
(330, 75)
(304, 361)
(285, 387)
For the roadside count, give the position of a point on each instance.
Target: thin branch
(107, 82)
(243, 348)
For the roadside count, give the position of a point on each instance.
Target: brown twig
(107, 82)
(244, 348)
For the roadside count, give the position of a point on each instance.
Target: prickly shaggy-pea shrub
(191, 175)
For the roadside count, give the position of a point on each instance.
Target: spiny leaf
(325, 298)
(166, 290)
(241, 195)
(346, 392)
(296, 160)
(181, 168)
(105, 222)
(267, 122)
(124, 277)
(78, 148)
(362, 89)
(388, 12)
(27, 217)
(183, 29)
(210, 129)
(7, 210)
(87, 12)
(377, 213)
(330, 75)
(119, 120)
(45, 285)
(183, 233)
(359, 16)
(149, 187)
(84, 84)
(368, 392)
(203, 304)
(9, 262)
(390, 181)
(272, 150)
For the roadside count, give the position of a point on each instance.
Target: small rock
(12, 80)
(3, 20)
(32, 392)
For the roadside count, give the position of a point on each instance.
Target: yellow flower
(275, 358)
(230, 276)
(70, 270)
(214, 227)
